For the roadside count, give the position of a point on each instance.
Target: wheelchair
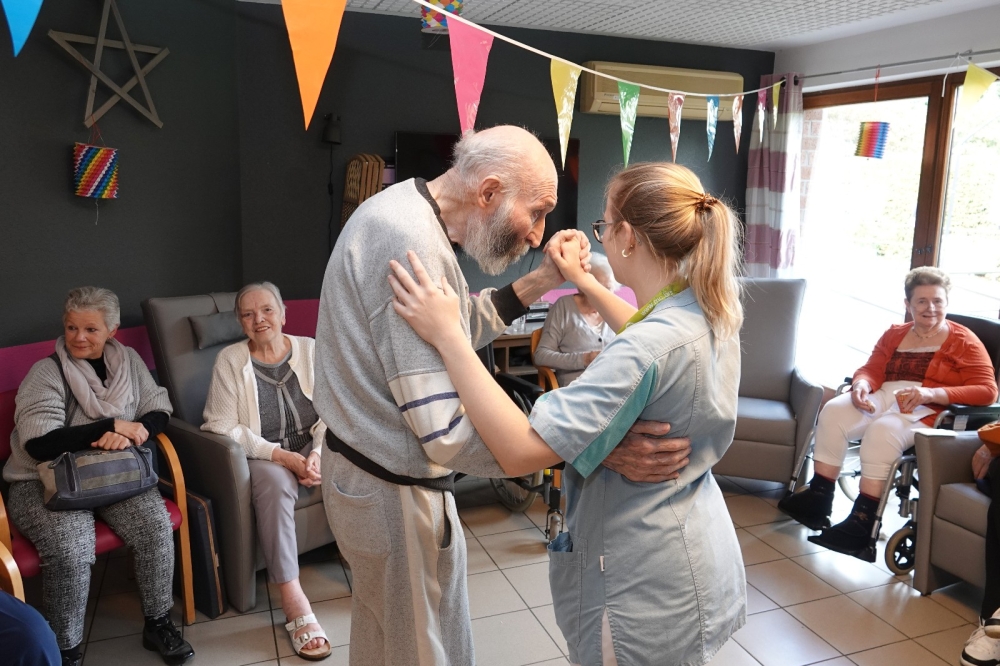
(904, 479)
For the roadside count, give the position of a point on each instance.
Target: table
(512, 351)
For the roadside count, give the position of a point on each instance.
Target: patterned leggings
(65, 542)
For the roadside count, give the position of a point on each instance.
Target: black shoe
(810, 506)
(160, 635)
(854, 535)
(71, 657)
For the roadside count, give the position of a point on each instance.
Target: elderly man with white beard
(397, 430)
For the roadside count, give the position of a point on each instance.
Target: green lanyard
(665, 293)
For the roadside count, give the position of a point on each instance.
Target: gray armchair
(777, 408)
(216, 466)
(951, 513)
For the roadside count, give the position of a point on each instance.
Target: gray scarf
(97, 400)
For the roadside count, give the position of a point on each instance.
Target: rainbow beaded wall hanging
(437, 22)
(871, 139)
(95, 171)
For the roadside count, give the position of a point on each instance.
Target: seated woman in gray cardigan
(96, 393)
(261, 396)
(574, 333)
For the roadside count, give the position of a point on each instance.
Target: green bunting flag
(628, 101)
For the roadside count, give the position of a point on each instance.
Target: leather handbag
(92, 479)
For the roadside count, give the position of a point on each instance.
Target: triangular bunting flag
(761, 109)
(738, 120)
(564, 80)
(977, 80)
(628, 102)
(21, 15)
(675, 102)
(313, 27)
(776, 95)
(711, 120)
(470, 49)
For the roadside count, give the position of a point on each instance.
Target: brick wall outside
(812, 121)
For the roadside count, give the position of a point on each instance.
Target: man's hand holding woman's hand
(552, 249)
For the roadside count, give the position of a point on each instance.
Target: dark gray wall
(382, 80)
(175, 228)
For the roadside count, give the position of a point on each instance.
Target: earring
(629, 252)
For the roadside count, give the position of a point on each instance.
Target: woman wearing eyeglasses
(646, 573)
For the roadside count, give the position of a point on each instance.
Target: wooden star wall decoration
(66, 40)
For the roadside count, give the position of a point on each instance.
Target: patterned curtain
(772, 216)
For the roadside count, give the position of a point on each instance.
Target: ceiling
(756, 24)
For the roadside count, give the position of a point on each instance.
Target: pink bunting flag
(761, 110)
(470, 49)
(675, 102)
(738, 120)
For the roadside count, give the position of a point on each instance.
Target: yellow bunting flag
(564, 80)
(313, 27)
(977, 80)
(775, 95)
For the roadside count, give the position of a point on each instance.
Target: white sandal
(315, 654)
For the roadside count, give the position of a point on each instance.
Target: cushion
(769, 421)
(767, 338)
(963, 505)
(216, 329)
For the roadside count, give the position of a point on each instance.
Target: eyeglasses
(599, 227)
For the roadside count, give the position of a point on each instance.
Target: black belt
(335, 444)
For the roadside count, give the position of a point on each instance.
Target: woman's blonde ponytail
(713, 268)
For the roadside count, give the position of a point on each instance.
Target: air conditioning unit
(600, 95)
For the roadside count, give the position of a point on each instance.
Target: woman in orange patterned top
(916, 369)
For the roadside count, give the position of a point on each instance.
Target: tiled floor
(805, 605)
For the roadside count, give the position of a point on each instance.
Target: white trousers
(884, 434)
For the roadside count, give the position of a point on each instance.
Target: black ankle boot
(811, 505)
(853, 536)
(160, 635)
(71, 657)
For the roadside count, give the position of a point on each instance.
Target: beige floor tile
(127, 651)
(963, 599)
(754, 550)
(117, 615)
(772, 497)
(903, 607)
(339, 656)
(776, 638)
(515, 549)
(491, 593)
(845, 624)
(562, 661)
(728, 486)
(465, 530)
(493, 519)
(757, 602)
(478, 559)
(513, 639)
(732, 654)
(757, 485)
(321, 581)
(532, 583)
(747, 510)
(237, 640)
(908, 653)
(839, 661)
(844, 572)
(546, 615)
(334, 616)
(947, 644)
(786, 583)
(788, 538)
(271, 662)
(263, 602)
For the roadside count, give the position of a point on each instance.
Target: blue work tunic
(656, 564)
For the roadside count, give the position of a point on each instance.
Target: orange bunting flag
(564, 80)
(977, 80)
(470, 49)
(313, 27)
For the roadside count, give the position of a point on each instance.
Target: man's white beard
(492, 241)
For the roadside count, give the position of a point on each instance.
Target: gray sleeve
(40, 405)
(548, 352)
(486, 322)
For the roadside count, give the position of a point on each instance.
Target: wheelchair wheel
(850, 474)
(901, 551)
(513, 493)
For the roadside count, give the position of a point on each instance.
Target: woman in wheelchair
(916, 369)
(647, 573)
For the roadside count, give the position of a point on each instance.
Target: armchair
(215, 466)
(777, 408)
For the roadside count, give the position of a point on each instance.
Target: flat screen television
(429, 155)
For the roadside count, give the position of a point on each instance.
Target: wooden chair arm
(4, 527)
(10, 576)
(546, 378)
(180, 499)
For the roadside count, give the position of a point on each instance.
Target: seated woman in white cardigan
(261, 396)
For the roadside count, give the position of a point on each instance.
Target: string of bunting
(470, 48)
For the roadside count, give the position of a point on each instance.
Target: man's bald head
(511, 154)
